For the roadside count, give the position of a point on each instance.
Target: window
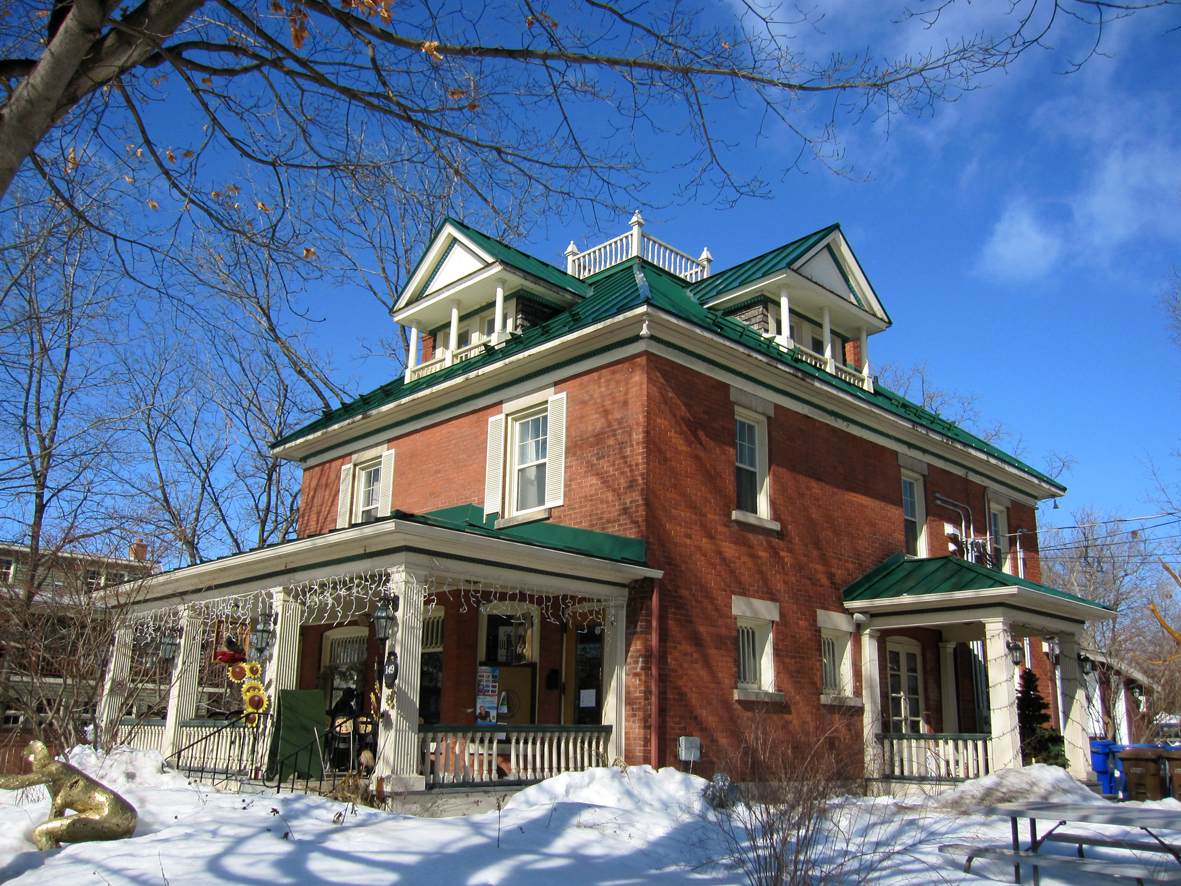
(998, 539)
(430, 680)
(344, 661)
(366, 488)
(750, 464)
(755, 649)
(834, 657)
(914, 515)
(7, 569)
(526, 459)
(904, 669)
(94, 579)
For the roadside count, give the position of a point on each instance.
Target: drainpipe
(654, 725)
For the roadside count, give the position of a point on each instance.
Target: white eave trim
(432, 257)
(1014, 595)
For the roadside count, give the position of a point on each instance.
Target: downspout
(654, 725)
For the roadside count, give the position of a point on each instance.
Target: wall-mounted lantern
(169, 645)
(1086, 664)
(1016, 651)
(385, 620)
(260, 638)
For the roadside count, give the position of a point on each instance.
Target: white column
(283, 659)
(951, 708)
(572, 259)
(1119, 710)
(827, 320)
(1002, 691)
(498, 327)
(182, 692)
(785, 319)
(614, 669)
(1073, 713)
(110, 707)
(637, 224)
(453, 337)
(871, 696)
(863, 347)
(398, 746)
(412, 352)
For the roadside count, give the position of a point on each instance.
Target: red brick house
(632, 501)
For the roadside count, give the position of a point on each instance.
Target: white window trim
(359, 472)
(920, 506)
(763, 494)
(762, 616)
(430, 616)
(1000, 539)
(348, 503)
(500, 474)
(844, 666)
(338, 634)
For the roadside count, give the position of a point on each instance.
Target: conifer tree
(1039, 742)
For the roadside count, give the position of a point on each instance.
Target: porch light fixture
(260, 638)
(1054, 651)
(1086, 664)
(1016, 651)
(169, 645)
(385, 621)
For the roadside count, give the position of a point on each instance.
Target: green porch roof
(761, 266)
(470, 518)
(900, 576)
(629, 285)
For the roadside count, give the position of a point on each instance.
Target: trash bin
(1172, 758)
(1142, 773)
(1100, 751)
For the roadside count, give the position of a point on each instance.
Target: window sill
(754, 520)
(531, 517)
(847, 701)
(758, 695)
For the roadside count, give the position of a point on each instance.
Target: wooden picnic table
(1150, 821)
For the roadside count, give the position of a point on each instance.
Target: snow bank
(635, 788)
(1036, 783)
(126, 769)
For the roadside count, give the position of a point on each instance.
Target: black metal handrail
(203, 759)
(511, 728)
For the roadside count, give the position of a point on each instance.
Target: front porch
(447, 655)
(943, 642)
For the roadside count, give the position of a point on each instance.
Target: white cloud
(1022, 247)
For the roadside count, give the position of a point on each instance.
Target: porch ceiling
(949, 591)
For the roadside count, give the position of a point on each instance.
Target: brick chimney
(138, 550)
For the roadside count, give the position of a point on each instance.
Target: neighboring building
(656, 499)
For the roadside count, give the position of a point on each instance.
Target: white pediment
(822, 268)
(458, 262)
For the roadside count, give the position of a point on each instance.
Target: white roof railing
(637, 243)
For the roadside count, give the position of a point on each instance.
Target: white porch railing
(424, 369)
(934, 755)
(484, 755)
(143, 735)
(840, 370)
(636, 242)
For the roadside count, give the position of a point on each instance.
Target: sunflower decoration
(238, 671)
(254, 697)
(253, 670)
(250, 719)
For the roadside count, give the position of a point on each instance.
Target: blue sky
(1019, 237)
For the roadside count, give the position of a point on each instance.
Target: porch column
(1002, 691)
(784, 318)
(398, 746)
(614, 665)
(951, 707)
(498, 323)
(412, 350)
(863, 340)
(182, 690)
(110, 707)
(871, 696)
(453, 333)
(283, 660)
(1074, 709)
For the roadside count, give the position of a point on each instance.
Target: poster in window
(487, 694)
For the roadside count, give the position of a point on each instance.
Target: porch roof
(952, 579)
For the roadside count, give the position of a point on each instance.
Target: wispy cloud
(1022, 246)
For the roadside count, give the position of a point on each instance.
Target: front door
(583, 677)
(904, 666)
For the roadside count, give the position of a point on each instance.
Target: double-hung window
(998, 536)
(366, 488)
(752, 494)
(526, 459)
(914, 515)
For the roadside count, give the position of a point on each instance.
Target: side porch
(418, 652)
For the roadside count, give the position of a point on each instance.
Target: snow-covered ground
(606, 826)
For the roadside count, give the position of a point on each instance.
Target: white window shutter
(555, 469)
(494, 467)
(385, 492)
(344, 504)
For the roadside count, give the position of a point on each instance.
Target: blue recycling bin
(1100, 762)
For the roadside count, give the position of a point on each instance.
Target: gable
(457, 262)
(823, 268)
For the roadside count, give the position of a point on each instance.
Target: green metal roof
(761, 266)
(628, 285)
(470, 518)
(900, 576)
(506, 254)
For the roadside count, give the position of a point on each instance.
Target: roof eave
(1075, 609)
